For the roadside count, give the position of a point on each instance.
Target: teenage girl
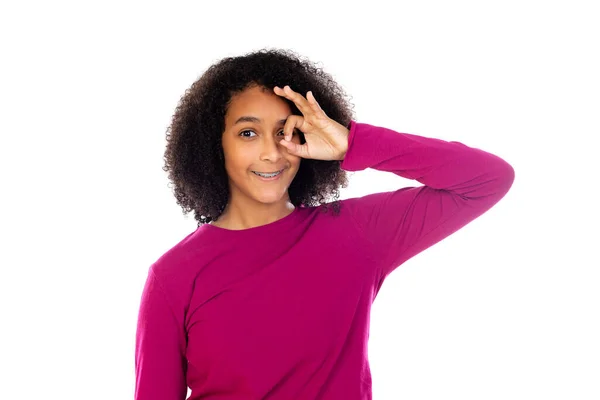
(269, 298)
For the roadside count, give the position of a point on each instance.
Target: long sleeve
(160, 363)
(459, 184)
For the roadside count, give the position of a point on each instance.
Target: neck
(237, 216)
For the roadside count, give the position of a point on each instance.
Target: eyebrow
(247, 118)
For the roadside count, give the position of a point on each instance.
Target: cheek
(236, 160)
(295, 164)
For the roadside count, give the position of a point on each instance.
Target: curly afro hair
(194, 156)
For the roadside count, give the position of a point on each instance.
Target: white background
(505, 308)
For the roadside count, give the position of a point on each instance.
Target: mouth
(268, 176)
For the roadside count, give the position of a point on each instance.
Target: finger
(297, 98)
(300, 150)
(292, 122)
(313, 102)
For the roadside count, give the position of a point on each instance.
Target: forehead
(259, 102)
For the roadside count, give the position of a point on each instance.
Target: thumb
(295, 149)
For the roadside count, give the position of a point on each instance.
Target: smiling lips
(269, 173)
(268, 176)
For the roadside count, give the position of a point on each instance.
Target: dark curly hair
(194, 156)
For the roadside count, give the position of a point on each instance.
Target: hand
(326, 139)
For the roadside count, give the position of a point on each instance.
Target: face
(253, 145)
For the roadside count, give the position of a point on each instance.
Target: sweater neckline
(275, 226)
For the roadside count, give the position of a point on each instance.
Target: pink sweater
(281, 311)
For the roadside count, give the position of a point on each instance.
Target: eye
(247, 130)
(293, 132)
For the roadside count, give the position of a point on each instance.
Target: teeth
(267, 175)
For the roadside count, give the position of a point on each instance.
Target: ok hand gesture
(326, 139)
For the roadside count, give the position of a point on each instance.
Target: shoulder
(176, 262)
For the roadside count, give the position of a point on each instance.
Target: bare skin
(259, 145)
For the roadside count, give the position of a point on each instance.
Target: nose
(270, 149)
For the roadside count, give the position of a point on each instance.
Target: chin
(265, 199)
